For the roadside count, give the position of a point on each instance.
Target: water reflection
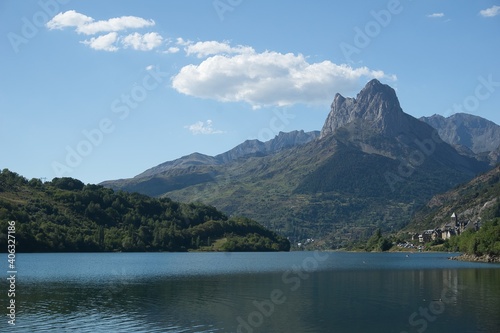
(330, 299)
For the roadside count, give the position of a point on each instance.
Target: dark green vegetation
(327, 189)
(475, 201)
(378, 243)
(65, 215)
(370, 168)
(485, 241)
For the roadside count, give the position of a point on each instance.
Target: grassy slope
(469, 201)
(325, 189)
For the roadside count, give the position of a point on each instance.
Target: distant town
(454, 228)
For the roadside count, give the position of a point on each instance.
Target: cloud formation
(111, 41)
(201, 127)
(146, 42)
(435, 15)
(172, 49)
(266, 79)
(490, 12)
(103, 43)
(84, 24)
(204, 49)
(67, 19)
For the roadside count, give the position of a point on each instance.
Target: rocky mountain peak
(376, 107)
(476, 133)
(258, 148)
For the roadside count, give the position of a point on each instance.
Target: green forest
(480, 194)
(485, 241)
(65, 215)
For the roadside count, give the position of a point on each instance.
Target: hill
(371, 167)
(474, 205)
(475, 201)
(65, 215)
(198, 168)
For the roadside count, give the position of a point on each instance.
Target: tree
(377, 242)
(67, 183)
(66, 215)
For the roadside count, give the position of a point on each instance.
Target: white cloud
(68, 19)
(490, 12)
(115, 24)
(270, 78)
(201, 127)
(145, 42)
(204, 49)
(435, 15)
(172, 49)
(111, 41)
(88, 26)
(103, 43)
(180, 41)
(150, 67)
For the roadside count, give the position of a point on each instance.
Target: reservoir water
(252, 292)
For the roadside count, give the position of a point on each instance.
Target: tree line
(485, 241)
(65, 215)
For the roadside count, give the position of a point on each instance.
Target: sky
(101, 90)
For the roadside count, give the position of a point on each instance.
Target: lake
(253, 292)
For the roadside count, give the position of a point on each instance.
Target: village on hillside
(454, 228)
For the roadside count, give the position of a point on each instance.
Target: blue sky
(100, 90)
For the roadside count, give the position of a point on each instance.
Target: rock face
(290, 139)
(376, 107)
(469, 202)
(258, 148)
(194, 159)
(371, 166)
(494, 156)
(246, 149)
(476, 133)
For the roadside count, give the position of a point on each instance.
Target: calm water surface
(253, 292)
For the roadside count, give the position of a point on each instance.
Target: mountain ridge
(469, 201)
(377, 104)
(281, 141)
(248, 148)
(473, 132)
(370, 167)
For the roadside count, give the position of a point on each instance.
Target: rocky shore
(473, 257)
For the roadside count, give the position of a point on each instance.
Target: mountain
(199, 168)
(479, 135)
(65, 215)
(194, 159)
(473, 204)
(469, 201)
(258, 148)
(370, 168)
(376, 108)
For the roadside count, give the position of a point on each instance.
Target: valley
(371, 166)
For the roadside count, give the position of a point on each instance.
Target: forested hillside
(371, 167)
(476, 202)
(66, 215)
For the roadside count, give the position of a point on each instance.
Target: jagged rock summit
(478, 134)
(244, 150)
(375, 108)
(372, 166)
(258, 148)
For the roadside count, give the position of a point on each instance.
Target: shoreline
(474, 258)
